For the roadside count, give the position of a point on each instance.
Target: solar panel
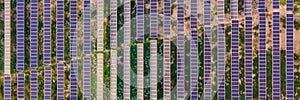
(73, 80)
(113, 44)
(248, 58)
(140, 21)
(113, 75)
(47, 36)
(248, 8)
(60, 82)
(289, 5)
(167, 22)
(221, 51)
(20, 35)
(113, 24)
(73, 28)
(127, 41)
(100, 30)
(87, 30)
(87, 78)
(153, 69)
(194, 52)
(235, 60)
(290, 56)
(7, 88)
(7, 37)
(20, 86)
(34, 34)
(47, 83)
(180, 50)
(140, 71)
(60, 30)
(207, 51)
(276, 4)
(34, 85)
(276, 55)
(262, 49)
(153, 19)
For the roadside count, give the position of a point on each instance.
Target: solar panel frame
(166, 72)
(290, 56)
(235, 60)
(20, 86)
(47, 34)
(276, 56)
(33, 84)
(7, 88)
(34, 33)
(20, 35)
(207, 50)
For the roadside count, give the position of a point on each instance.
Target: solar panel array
(276, 52)
(7, 41)
(262, 49)
(153, 49)
(289, 5)
(248, 58)
(167, 76)
(86, 50)
(87, 78)
(140, 71)
(113, 44)
(60, 48)
(207, 50)
(73, 49)
(34, 34)
(194, 52)
(7, 88)
(235, 60)
(100, 7)
(221, 51)
(34, 85)
(180, 50)
(289, 56)
(47, 36)
(20, 86)
(153, 19)
(20, 35)
(47, 83)
(140, 21)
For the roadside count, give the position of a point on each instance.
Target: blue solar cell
(20, 86)
(235, 60)
(290, 55)
(248, 58)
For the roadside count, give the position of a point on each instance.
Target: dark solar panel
(289, 5)
(207, 50)
(276, 4)
(154, 18)
(20, 35)
(34, 85)
(73, 80)
(180, 50)
(276, 55)
(20, 86)
(140, 21)
(34, 34)
(290, 56)
(7, 88)
(248, 58)
(235, 60)
(47, 36)
(47, 83)
(86, 78)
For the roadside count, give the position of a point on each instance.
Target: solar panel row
(276, 4)
(153, 69)
(113, 24)
(140, 21)
(180, 50)
(113, 75)
(7, 88)
(86, 26)
(248, 58)
(290, 56)
(207, 50)
(20, 35)
(47, 83)
(289, 5)
(47, 36)
(127, 41)
(276, 56)
(194, 52)
(167, 22)
(113, 44)
(86, 78)
(248, 8)
(7, 41)
(73, 80)
(234, 9)
(221, 51)
(235, 60)
(100, 7)
(153, 19)
(34, 34)
(140, 71)
(34, 85)
(262, 49)
(60, 30)
(60, 82)
(73, 49)
(20, 86)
